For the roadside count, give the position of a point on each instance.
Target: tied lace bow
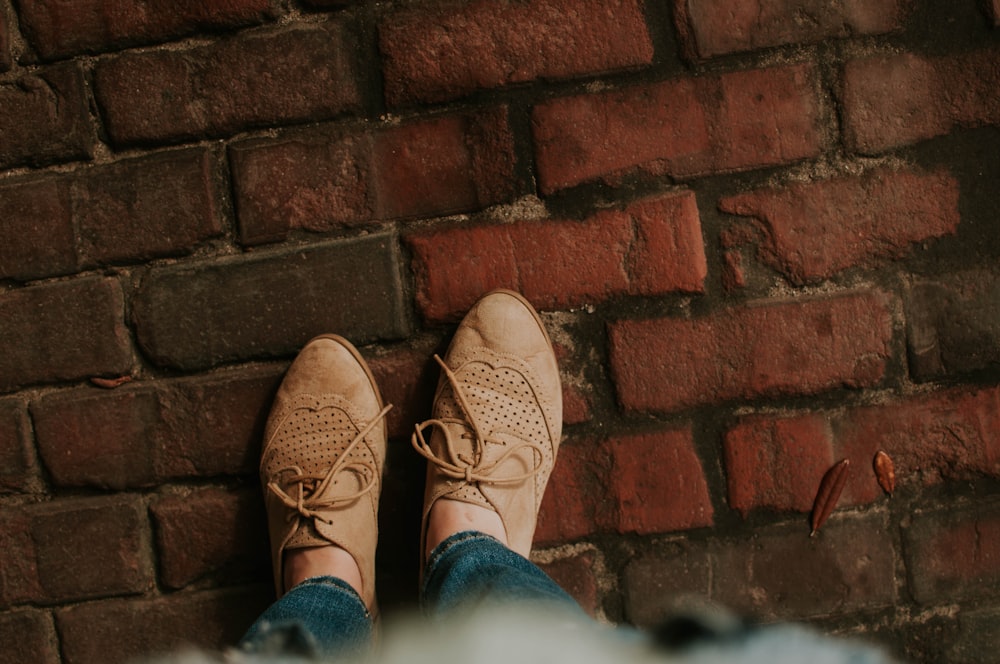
(460, 466)
(310, 498)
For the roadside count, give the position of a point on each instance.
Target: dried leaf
(110, 383)
(885, 472)
(829, 493)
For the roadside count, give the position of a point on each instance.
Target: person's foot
(321, 468)
(495, 426)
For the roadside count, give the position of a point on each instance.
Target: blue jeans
(325, 616)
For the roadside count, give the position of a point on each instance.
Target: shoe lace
(309, 496)
(460, 466)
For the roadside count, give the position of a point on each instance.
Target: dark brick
(573, 503)
(316, 182)
(655, 580)
(17, 455)
(198, 316)
(139, 435)
(437, 53)
(577, 575)
(716, 27)
(5, 59)
(36, 221)
(76, 549)
(44, 118)
(653, 246)
(407, 378)
(119, 631)
(257, 79)
(60, 29)
(210, 532)
(76, 331)
(765, 349)
(953, 324)
(978, 634)
(28, 636)
(994, 6)
(954, 554)
(813, 231)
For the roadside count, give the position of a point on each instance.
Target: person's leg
(494, 435)
(321, 469)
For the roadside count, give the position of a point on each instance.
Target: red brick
(897, 100)
(654, 246)
(76, 549)
(813, 231)
(139, 435)
(210, 532)
(44, 118)
(716, 27)
(653, 581)
(17, 455)
(456, 163)
(577, 575)
(28, 636)
(766, 348)
(258, 79)
(120, 631)
(199, 315)
(777, 462)
(573, 504)
(447, 51)
(37, 224)
(657, 483)
(953, 324)
(76, 331)
(681, 128)
(60, 29)
(954, 554)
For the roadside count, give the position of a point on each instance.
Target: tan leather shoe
(324, 451)
(497, 416)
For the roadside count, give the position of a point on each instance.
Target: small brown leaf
(829, 493)
(885, 472)
(110, 383)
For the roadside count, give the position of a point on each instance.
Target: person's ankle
(448, 517)
(302, 564)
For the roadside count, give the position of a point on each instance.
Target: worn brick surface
(76, 331)
(953, 324)
(978, 631)
(813, 231)
(454, 49)
(573, 501)
(17, 457)
(994, 7)
(119, 631)
(200, 315)
(44, 118)
(139, 435)
(895, 100)
(654, 246)
(5, 57)
(451, 164)
(577, 576)
(653, 581)
(28, 636)
(769, 348)
(954, 554)
(36, 220)
(716, 27)
(755, 118)
(290, 76)
(60, 29)
(210, 531)
(75, 549)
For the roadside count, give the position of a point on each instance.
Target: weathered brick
(681, 128)
(577, 575)
(766, 348)
(654, 580)
(60, 29)
(954, 554)
(76, 331)
(44, 118)
(316, 182)
(5, 59)
(28, 636)
(994, 6)
(258, 79)
(896, 100)
(716, 27)
(573, 503)
(437, 53)
(200, 315)
(119, 631)
(978, 634)
(406, 378)
(36, 220)
(654, 246)
(953, 324)
(76, 549)
(139, 435)
(210, 531)
(813, 231)
(17, 456)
